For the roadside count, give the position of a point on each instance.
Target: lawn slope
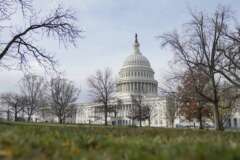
(56, 142)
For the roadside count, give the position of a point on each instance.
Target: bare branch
(22, 46)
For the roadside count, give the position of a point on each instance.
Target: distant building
(233, 121)
(136, 77)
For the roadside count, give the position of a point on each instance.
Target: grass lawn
(42, 141)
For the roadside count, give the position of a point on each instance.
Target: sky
(108, 34)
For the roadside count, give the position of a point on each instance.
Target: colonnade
(145, 74)
(140, 87)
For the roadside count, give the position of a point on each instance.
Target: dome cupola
(136, 75)
(136, 58)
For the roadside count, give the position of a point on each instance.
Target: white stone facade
(88, 113)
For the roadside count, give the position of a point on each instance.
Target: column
(138, 87)
(145, 88)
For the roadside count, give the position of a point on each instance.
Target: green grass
(41, 141)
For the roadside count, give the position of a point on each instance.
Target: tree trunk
(218, 124)
(15, 116)
(60, 120)
(105, 115)
(29, 118)
(200, 118)
(172, 123)
(140, 118)
(30, 113)
(64, 119)
(149, 122)
(8, 115)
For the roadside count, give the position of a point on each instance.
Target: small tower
(136, 45)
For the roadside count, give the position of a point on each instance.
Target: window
(235, 122)
(119, 122)
(229, 122)
(161, 122)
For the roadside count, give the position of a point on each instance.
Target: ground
(56, 142)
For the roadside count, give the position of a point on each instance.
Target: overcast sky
(109, 27)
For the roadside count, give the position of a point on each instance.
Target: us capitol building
(136, 77)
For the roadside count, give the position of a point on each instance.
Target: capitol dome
(136, 75)
(137, 59)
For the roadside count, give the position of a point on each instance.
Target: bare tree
(140, 111)
(132, 114)
(14, 102)
(169, 88)
(171, 108)
(9, 7)
(137, 108)
(149, 113)
(230, 49)
(22, 48)
(191, 104)
(101, 89)
(115, 108)
(64, 96)
(33, 88)
(197, 49)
